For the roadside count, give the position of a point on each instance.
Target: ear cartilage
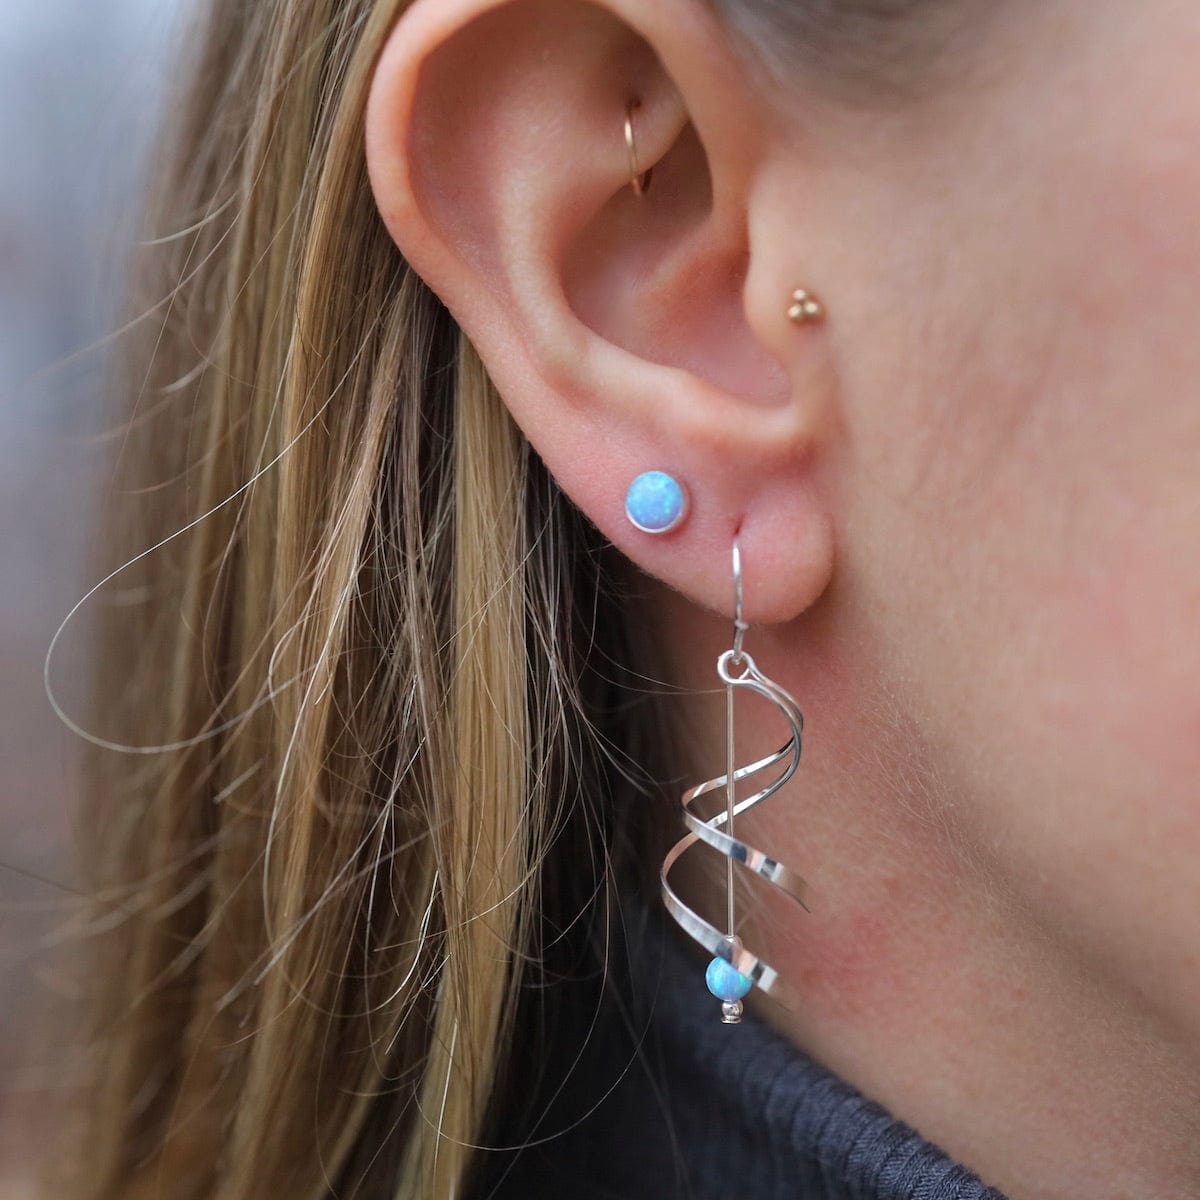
(655, 502)
(805, 307)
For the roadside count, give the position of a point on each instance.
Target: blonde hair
(373, 662)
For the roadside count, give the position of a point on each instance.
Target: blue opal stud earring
(655, 502)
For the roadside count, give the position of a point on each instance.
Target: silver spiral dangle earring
(734, 970)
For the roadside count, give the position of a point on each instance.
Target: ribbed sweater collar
(765, 1120)
(665, 1101)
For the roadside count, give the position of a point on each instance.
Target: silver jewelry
(734, 969)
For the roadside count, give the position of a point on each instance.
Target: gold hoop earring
(805, 307)
(639, 180)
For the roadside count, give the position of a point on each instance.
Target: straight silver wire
(730, 800)
(739, 629)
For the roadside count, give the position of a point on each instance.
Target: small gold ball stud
(805, 307)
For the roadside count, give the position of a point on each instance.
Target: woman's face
(1016, 478)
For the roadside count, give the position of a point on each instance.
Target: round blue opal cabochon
(725, 981)
(655, 502)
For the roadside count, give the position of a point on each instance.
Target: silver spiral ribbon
(739, 671)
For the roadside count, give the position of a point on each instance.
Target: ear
(625, 332)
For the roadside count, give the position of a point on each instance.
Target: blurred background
(80, 94)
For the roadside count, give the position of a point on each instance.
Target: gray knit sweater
(655, 1098)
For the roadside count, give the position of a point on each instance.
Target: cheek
(1127, 666)
(1032, 572)
(1020, 473)
(1068, 713)
(1050, 490)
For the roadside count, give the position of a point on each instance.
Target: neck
(926, 977)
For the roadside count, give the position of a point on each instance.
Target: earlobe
(504, 144)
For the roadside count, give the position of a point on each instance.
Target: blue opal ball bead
(654, 502)
(725, 981)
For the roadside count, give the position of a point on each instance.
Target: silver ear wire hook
(739, 626)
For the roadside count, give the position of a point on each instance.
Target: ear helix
(655, 502)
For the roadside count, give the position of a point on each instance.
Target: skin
(968, 504)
